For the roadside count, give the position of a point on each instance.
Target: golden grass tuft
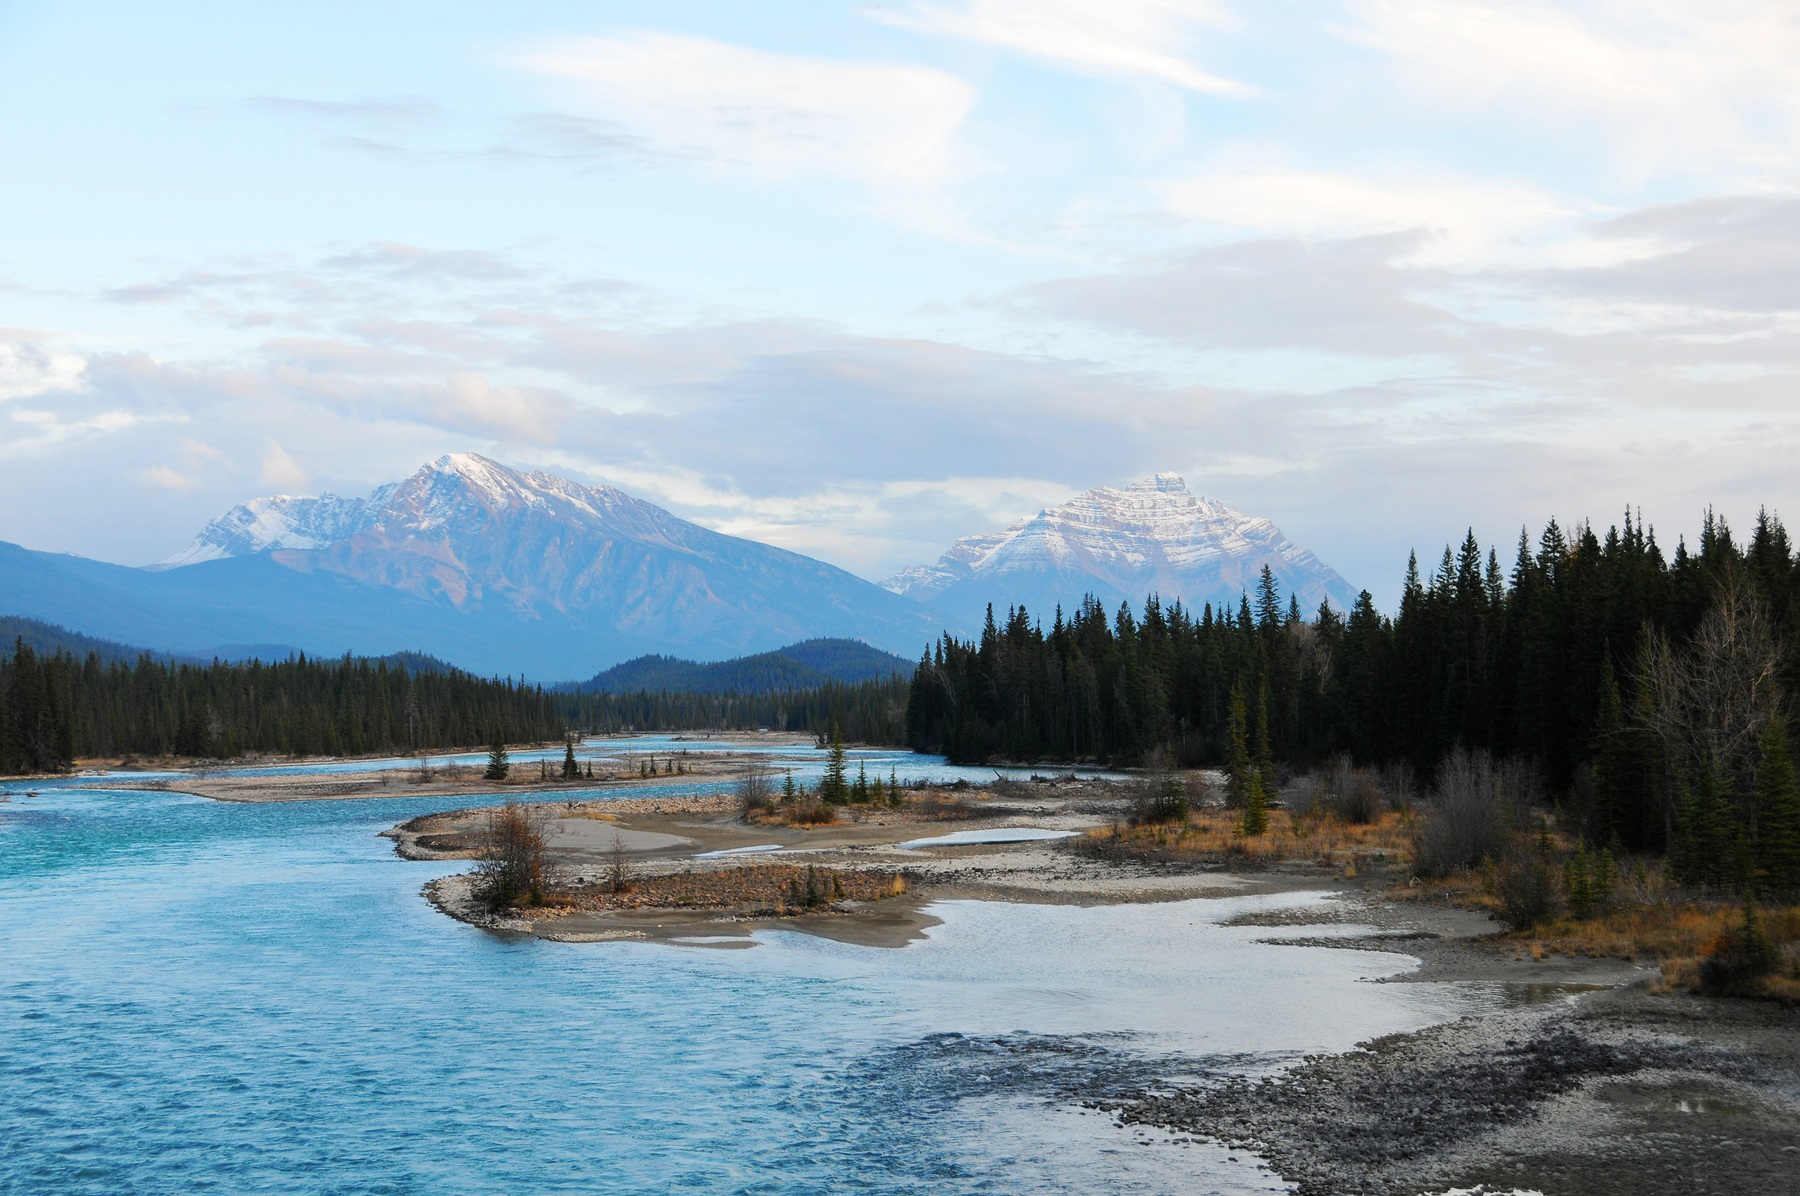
(1215, 835)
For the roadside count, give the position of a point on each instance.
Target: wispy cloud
(770, 116)
(1137, 40)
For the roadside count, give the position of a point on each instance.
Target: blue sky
(860, 278)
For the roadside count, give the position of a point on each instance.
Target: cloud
(1344, 296)
(1468, 219)
(769, 116)
(279, 469)
(1669, 84)
(1730, 254)
(1136, 40)
(164, 478)
(28, 369)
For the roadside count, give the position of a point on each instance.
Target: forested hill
(47, 639)
(809, 664)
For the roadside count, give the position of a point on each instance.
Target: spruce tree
(570, 769)
(862, 782)
(497, 765)
(1707, 846)
(1237, 754)
(835, 787)
(1256, 806)
(1265, 757)
(1777, 815)
(788, 792)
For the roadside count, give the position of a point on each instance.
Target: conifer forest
(1647, 691)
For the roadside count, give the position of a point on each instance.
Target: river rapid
(199, 996)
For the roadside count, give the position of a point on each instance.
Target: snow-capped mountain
(281, 521)
(484, 566)
(1152, 537)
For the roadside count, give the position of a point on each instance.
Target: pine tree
(862, 782)
(1707, 846)
(1777, 815)
(497, 765)
(835, 787)
(570, 768)
(1256, 806)
(788, 792)
(1237, 754)
(1265, 757)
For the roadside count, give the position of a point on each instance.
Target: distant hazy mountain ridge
(491, 568)
(805, 665)
(1154, 536)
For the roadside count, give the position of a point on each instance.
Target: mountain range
(491, 568)
(498, 570)
(1121, 545)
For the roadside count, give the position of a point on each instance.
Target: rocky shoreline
(1600, 1094)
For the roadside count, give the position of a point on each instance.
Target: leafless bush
(1473, 806)
(1352, 794)
(512, 864)
(1527, 890)
(1396, 781)
(755, 790)
(618, 866)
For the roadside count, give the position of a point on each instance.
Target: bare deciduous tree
(1711, 699)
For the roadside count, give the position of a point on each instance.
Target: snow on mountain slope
(279, 521)
(1154, 536)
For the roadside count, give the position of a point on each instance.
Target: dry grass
(1213, 836)
(804, 812)
(759, 889)
(1647, 919)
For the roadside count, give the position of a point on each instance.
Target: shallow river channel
(206, 997)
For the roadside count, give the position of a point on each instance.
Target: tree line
(865, 711)
(56, 707)
(1648, 690)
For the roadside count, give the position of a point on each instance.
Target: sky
(858, 279)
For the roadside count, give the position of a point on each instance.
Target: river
(207, 997)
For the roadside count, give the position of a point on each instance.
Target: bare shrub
(1527, 890)
(755, 790)
(1352, 794)
(512, 865)
(618, 866)
(1471, 812)
(1396, 781)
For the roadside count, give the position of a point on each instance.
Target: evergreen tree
(1708, 849)
(862, 782)
(834, 788)
(497, 765)
(788, 793)
(1265, 755)
(1256, 806)
(1777, 815)
(570, 768)
(1238, 769)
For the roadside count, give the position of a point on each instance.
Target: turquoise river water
(206, 997)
